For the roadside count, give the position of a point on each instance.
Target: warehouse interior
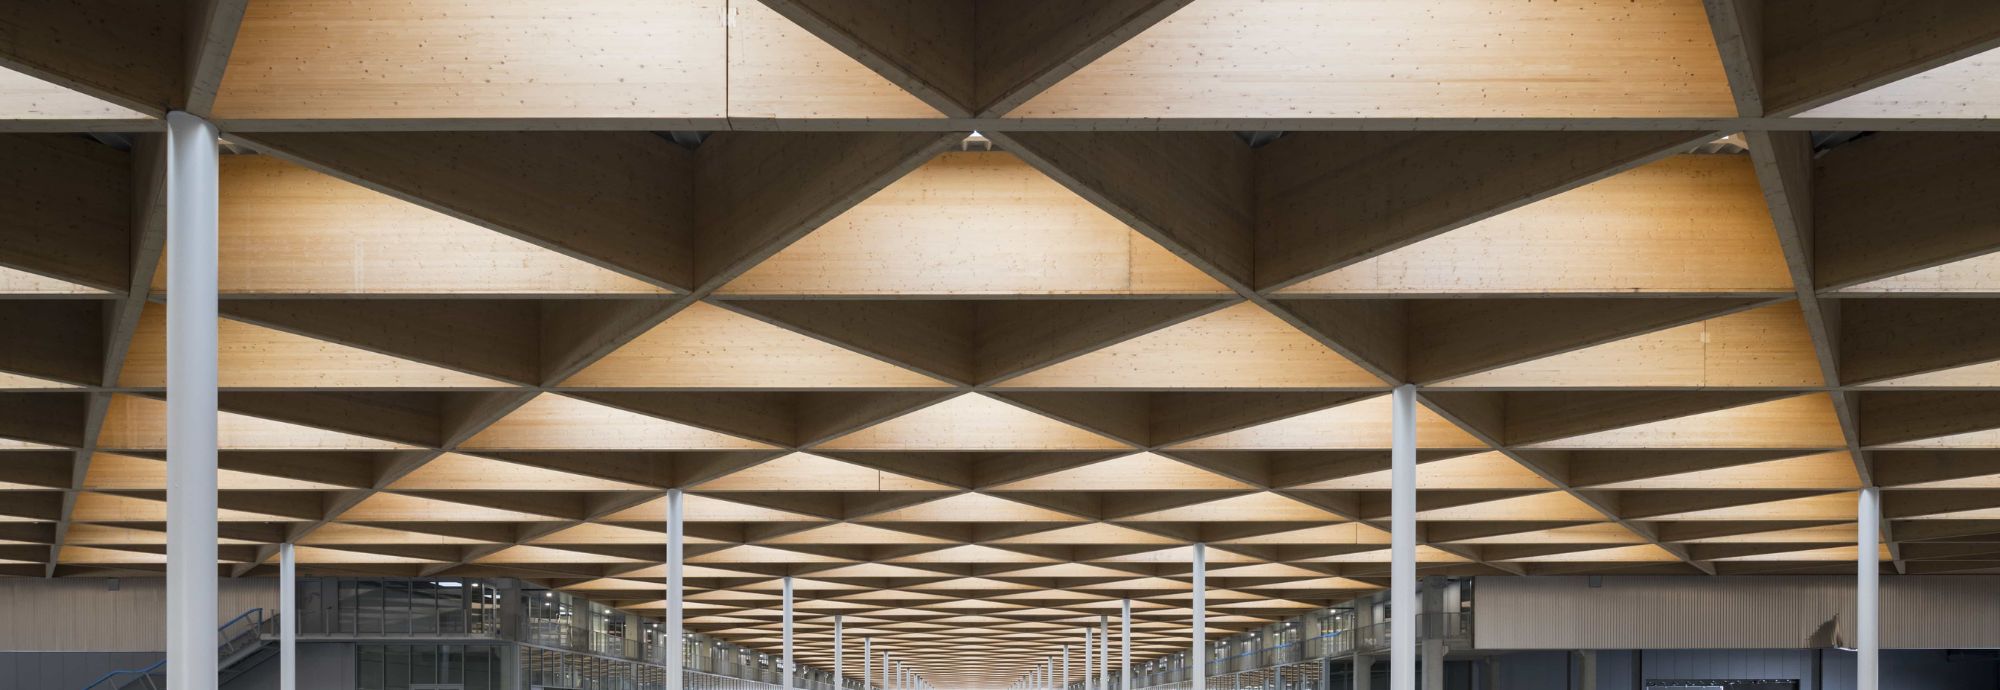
(999, 344)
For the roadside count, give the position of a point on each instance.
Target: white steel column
(1089, 681)
(1198, 655)
(1125, 646)
(1103, 652)
(1065, 674)
(191, 411)
(839, 671)
(788, 633)
(1403, 539)
(867, 662)
(288, 618)
(1868, 592)
(886, 666)
(670, 637)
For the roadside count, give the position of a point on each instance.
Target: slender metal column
(886, 666)
(288, 618)
(1089, 681)
(867, 662)
(1868, 592)
(1125, 646)
(671, 637)
(839, 671)
(1198, 654)
(788, 633)
(191, 411)
(1065, 675)
(1103, 652)
(1403, 539)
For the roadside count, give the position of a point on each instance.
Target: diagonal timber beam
(1479, 412)
(757, 192)
(1888, 338)
(1738, 27)
(147, 235)
(128, 53)
(1818, 51)
(1191, 192)
(1326, 200)
(622, 201)
(975, 58)
(1456, 337)
(1886, 204)
(66, 209)
(209, 36)
(1787, 171)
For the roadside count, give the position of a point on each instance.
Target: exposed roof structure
(486, 296)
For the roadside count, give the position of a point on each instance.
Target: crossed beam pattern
(1675, 280)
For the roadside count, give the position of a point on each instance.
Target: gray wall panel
(65, 670)
(84, 614)
(1667, 612)
(322, 666)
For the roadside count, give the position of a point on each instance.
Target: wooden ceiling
(1675, 280)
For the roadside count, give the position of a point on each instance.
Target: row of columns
(192, 245)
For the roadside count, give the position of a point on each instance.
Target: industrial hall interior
(999, 344)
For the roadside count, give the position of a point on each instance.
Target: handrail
(257, 611)
(108, 675)
(227, 645)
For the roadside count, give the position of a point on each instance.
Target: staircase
(242, 648)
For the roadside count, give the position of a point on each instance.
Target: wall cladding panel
(84, 614)
(1730, 612)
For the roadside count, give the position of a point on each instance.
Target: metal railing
(234, 637)
(1333, 644)
(242, 633)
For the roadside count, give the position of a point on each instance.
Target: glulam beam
(1818, 51)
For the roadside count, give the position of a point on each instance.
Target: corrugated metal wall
(84, 614)
(1925, 612)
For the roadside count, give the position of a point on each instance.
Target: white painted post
(788, 633)
(1103, 652)
(1089, 681)
(288, 618)
(839, 671)
(867, 662)
(1197, 655)
(1403, 539)
(1125, 646)
(670, 635)
(192, 201)
(1868, 592)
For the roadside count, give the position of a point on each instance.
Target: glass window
(424, 607)
(396, 606)
(349, 603)
(369, 603)
(480, 666)
(368, 667)
(396, 667)
(451, 596)
(423, 664)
